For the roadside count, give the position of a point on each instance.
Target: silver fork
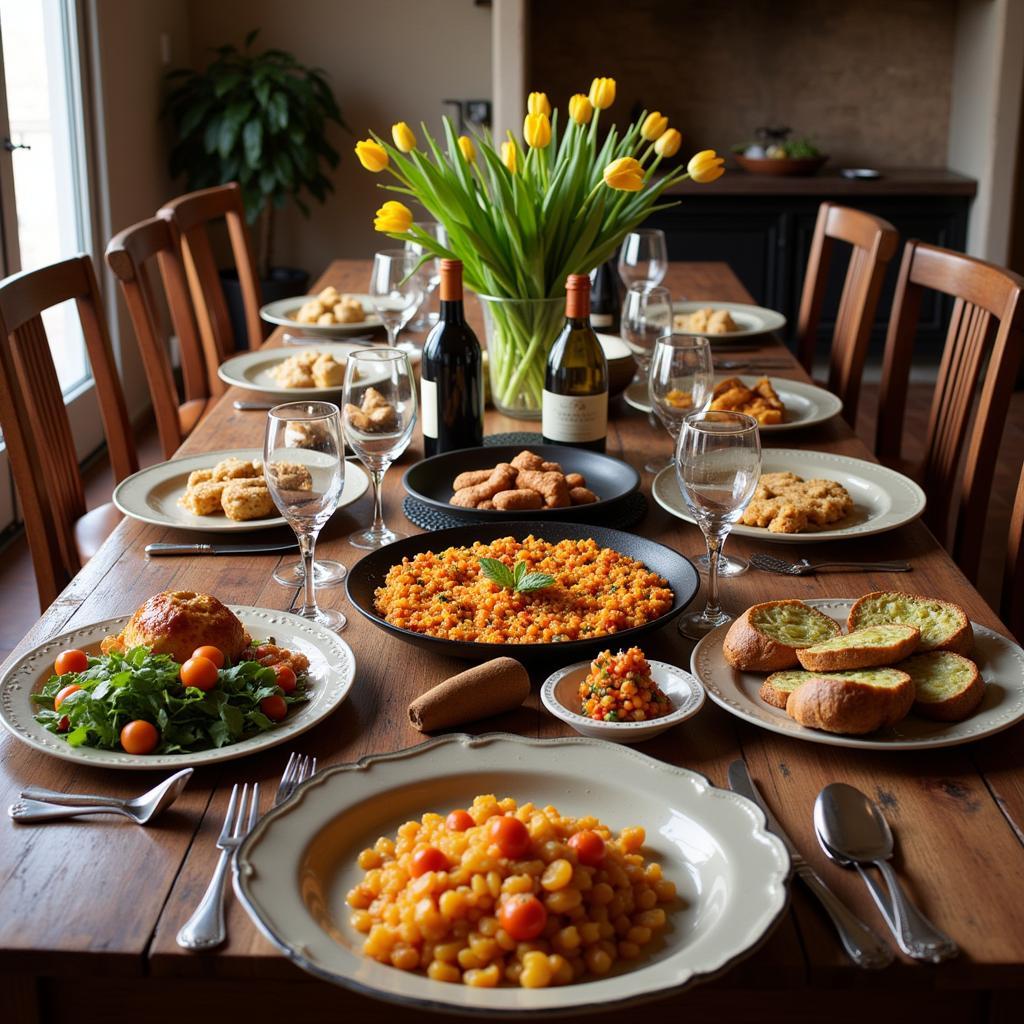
(769, 563)
(296, 771)
(205, 929)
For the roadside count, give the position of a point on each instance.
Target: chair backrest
(1013, 576)
(134, 255)
(984, 343)
(190, 216)
(35, 422)
(874, 244)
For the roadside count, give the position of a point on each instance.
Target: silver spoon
(48, 805)
(854, 832)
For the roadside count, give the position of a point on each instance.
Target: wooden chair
(984, 344)
(1013, 576)
(190, 216)
(131, 255)
(874, 245)
(62, 535)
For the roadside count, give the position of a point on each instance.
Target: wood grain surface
(95, 898)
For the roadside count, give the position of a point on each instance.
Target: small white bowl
(560, 692)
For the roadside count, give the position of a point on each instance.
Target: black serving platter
(370, 572)
(430, 480)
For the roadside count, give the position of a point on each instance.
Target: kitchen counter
(895, 181)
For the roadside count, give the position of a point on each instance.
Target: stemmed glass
(306, 480)
(376, 381)
(646, 317)
(396, 290)
(718, 463)
(643, 258)
(680, 381)
(430, 271)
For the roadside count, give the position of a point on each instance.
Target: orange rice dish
(596, 591)
(506, 894)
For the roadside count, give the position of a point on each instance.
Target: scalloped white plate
(882, 498)
(332, 669)
(293, 870)
(1000, 661)
(283, 312)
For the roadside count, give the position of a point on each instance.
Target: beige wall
(388, 60)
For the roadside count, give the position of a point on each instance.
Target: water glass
(680, 382)
(718, 464)
(380, 413)
(396, 291)
(646, 317)
(643, 258)
(304, 466)
(430, 271)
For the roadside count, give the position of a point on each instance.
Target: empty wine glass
(646, 317)
(718, 463)
(429, 271)
(679, 382)
(380, 412)
(396, 290)
(304, 466)
(643, 258)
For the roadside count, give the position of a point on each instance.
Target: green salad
(143, 693)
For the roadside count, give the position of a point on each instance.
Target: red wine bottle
(605, 300)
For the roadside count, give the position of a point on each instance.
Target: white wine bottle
(574, 410)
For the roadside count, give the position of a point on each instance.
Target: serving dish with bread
(888, 670)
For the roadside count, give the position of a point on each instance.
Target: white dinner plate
(806, 404)
(152, 494)
(1000, 661)
(751, 320)
(295, 867)
(332, 669)
(283, 312)
(882, 498)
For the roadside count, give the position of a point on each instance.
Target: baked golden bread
(948, 687)
(944, 626)
(176, 622)
(853, 703)
(884, 644)
(766, 637)
(775, 690)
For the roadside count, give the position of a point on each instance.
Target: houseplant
(524, 215)
(259, 119)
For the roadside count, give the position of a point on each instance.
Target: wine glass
(430, 271)
(306, 480)
(646, 316)
(680, 381)
(643, 258)
(380, 412)
(396, 290)
(718, 463)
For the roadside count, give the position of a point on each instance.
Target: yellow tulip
(537, 103)
(654, 126)
(508, 155)
(403, 137)
(537, 131)
(602, 93)
(706, 166)
(372, 155)
(393, 218)
(624, 174)
(669, 143)
(581, 110)
(468, 149)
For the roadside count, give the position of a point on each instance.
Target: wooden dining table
(89, 908)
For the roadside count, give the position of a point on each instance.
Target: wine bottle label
(428, 407)
(601, 319)
(574, 418)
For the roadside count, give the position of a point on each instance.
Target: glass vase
(519, 334)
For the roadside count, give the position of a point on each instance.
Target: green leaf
(497, 572)
(278, 110)
(252, 137)
(534, 581)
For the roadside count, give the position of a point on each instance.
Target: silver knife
(219, 549)
(254, 406)
(864, 947)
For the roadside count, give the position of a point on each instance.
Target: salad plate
(293, 870)
(331, 673)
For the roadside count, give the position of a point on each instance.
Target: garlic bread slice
(854, 703)
(766, 637)
(944, 626)
(948, 687)
(884, 644)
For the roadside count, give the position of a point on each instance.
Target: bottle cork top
(451, 280)
(577, 296)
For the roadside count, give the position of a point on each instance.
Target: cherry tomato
(589, 847)
(72, 660)
(200, 673)
(523, 916)
(285, 678)
(139, 737)
(64, 694)
(510, 835)
(214, 654)
(459, 821)
(64, 724)
(430, 858)
(274, 707)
